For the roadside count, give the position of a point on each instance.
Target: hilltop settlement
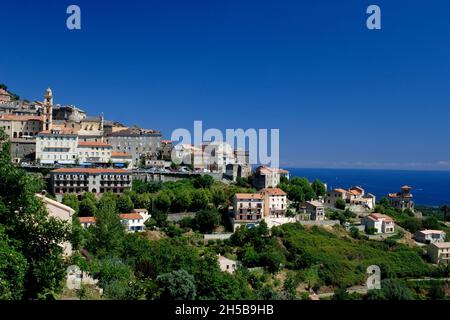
(107, 199)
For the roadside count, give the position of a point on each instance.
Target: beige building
(21, 126)
(57, 146)
(439, 252)
(248, 209)
(275, 202)
(95, 180)
(94, 152)
(61, 212)
(355, 196)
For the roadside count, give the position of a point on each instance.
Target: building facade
(380, 222)
(248, 209)
(275, 202)
(91, 152)
(95, 180)
(439, 252)
(137, 142)
(266, 177)
(57, 146)
(402, 200)
(312, 210)
(429, 236)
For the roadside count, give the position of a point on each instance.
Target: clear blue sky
(341, 95)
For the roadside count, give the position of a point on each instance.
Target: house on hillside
(380, 222)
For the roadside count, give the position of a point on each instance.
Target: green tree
(163, 201)
(182, 200)
(71, 200)
(391, 289)
(199, 199)
(444, 210)
(124, 204)
(177, 285)
(87, 208)
(35, 235)
(107, 234)
(203, 181)
(13, 267)
(319, 188)
(207, 219)
(340, 204)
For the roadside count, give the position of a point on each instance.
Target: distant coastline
(430, 187)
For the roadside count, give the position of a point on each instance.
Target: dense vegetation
(31, 264)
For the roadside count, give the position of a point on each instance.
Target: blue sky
(341, 95)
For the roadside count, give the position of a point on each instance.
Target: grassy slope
(343, 261)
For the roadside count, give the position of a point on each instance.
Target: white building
(227, 265)
(57, 146)
(133, 222)
(381, 222)
(439, 252)
(275, 202)
(429, 236)
(93, 152)
(355, 196)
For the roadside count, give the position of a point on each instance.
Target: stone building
(4, 96)
(266, 177)
(402, 200)
(95, 153)
(137, 142)
(275, 202)
(312, 210)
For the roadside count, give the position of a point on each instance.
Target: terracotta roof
(3, 91)
(166, 141)
(340, 190)
(378, 216)
(14, 117)
(87, 219)
(130, 216)
(273, 192)
(93, 144)
(248, 196)
(89, 170)
(120, 154)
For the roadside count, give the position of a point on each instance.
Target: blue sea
(429, 187)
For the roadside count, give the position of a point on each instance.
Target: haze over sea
(429, 187)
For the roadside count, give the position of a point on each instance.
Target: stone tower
(48, 109)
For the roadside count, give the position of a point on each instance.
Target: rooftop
(431, 231)
(89, 170)
(273, 192)
(378, 216)
(442, 245)
(130, 216)
(242, 196)
(93, 144)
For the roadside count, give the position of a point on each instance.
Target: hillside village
(221, 202)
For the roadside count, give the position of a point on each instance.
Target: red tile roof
(14, 117)
(273, 192)
(89, 170)
(87, 219)
(120, 154)
(248, 196)
(378, 216)
(130, 216)
(93, 144)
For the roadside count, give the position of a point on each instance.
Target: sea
(431, 188)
